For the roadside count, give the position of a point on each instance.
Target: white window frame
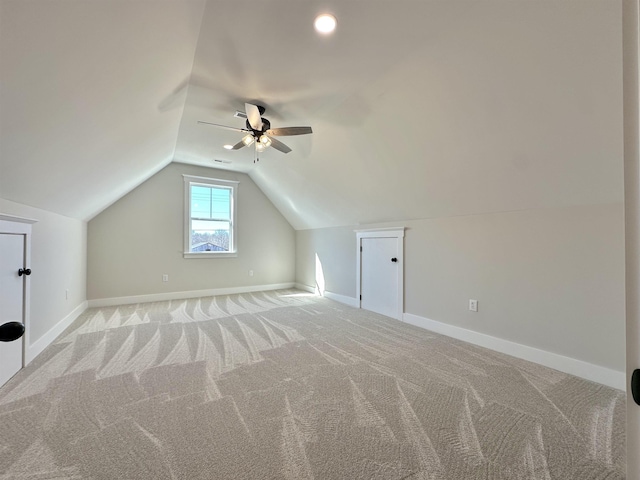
(190, 180)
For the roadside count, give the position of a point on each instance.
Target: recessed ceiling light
(228, 147)
(325, 23)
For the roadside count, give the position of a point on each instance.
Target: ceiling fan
(259, 132)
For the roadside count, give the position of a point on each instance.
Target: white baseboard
(588, 371)
(161, 297)
(306, 288)
(351, 301)
(33, 350)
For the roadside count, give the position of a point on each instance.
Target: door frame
(12, 225)
(631, 118)
(391, 232)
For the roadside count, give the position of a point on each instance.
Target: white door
(379, 275)
(11, 301)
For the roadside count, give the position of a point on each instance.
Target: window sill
(210, 254)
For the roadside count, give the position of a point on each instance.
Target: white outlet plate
(165, 278)
(473, 305)
(251, 273)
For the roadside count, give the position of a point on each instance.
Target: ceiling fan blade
(253, 115)
(238, 145)
(286, 131)
(278, 145)
(224, 126)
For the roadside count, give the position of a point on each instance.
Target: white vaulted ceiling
(81, 84)
(419, 108)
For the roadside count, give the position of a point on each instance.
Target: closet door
(379, 275)
(11, 301)
(380, 271)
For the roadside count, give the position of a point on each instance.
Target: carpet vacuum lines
(284, 385)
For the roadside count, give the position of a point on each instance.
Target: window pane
(210, 202)
(209, 236)
(209, 217)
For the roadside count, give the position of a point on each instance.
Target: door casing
(22, 226)
(394, 232)
(11, 301)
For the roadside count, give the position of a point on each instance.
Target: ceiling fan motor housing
(266, 125)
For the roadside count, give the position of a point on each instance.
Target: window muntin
(209, 217)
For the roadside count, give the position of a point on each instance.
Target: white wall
(58, 263)
(552, 279)
(335, 249)
(139, 238)
(500, 148)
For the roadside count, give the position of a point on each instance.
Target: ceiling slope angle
(298, 75)
(84, 104)
(301, 78)
(419, 109)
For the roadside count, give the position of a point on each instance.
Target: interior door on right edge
(11, 301)
(379, 275)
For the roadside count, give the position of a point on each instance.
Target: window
(210, 217)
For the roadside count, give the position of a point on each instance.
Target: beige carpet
(283, 385)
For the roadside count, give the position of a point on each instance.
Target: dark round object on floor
(11, 331)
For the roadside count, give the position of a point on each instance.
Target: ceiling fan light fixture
(258, 131)
(266, 141)
(325, 23)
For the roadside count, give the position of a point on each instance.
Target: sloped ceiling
(419, 108)
(84, 114)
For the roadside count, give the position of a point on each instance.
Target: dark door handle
(394, 259)
(635, 386)
(11, 331)
(24, 271)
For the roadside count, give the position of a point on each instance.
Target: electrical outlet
(251, 273)
(473, 305)
(165, 277)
